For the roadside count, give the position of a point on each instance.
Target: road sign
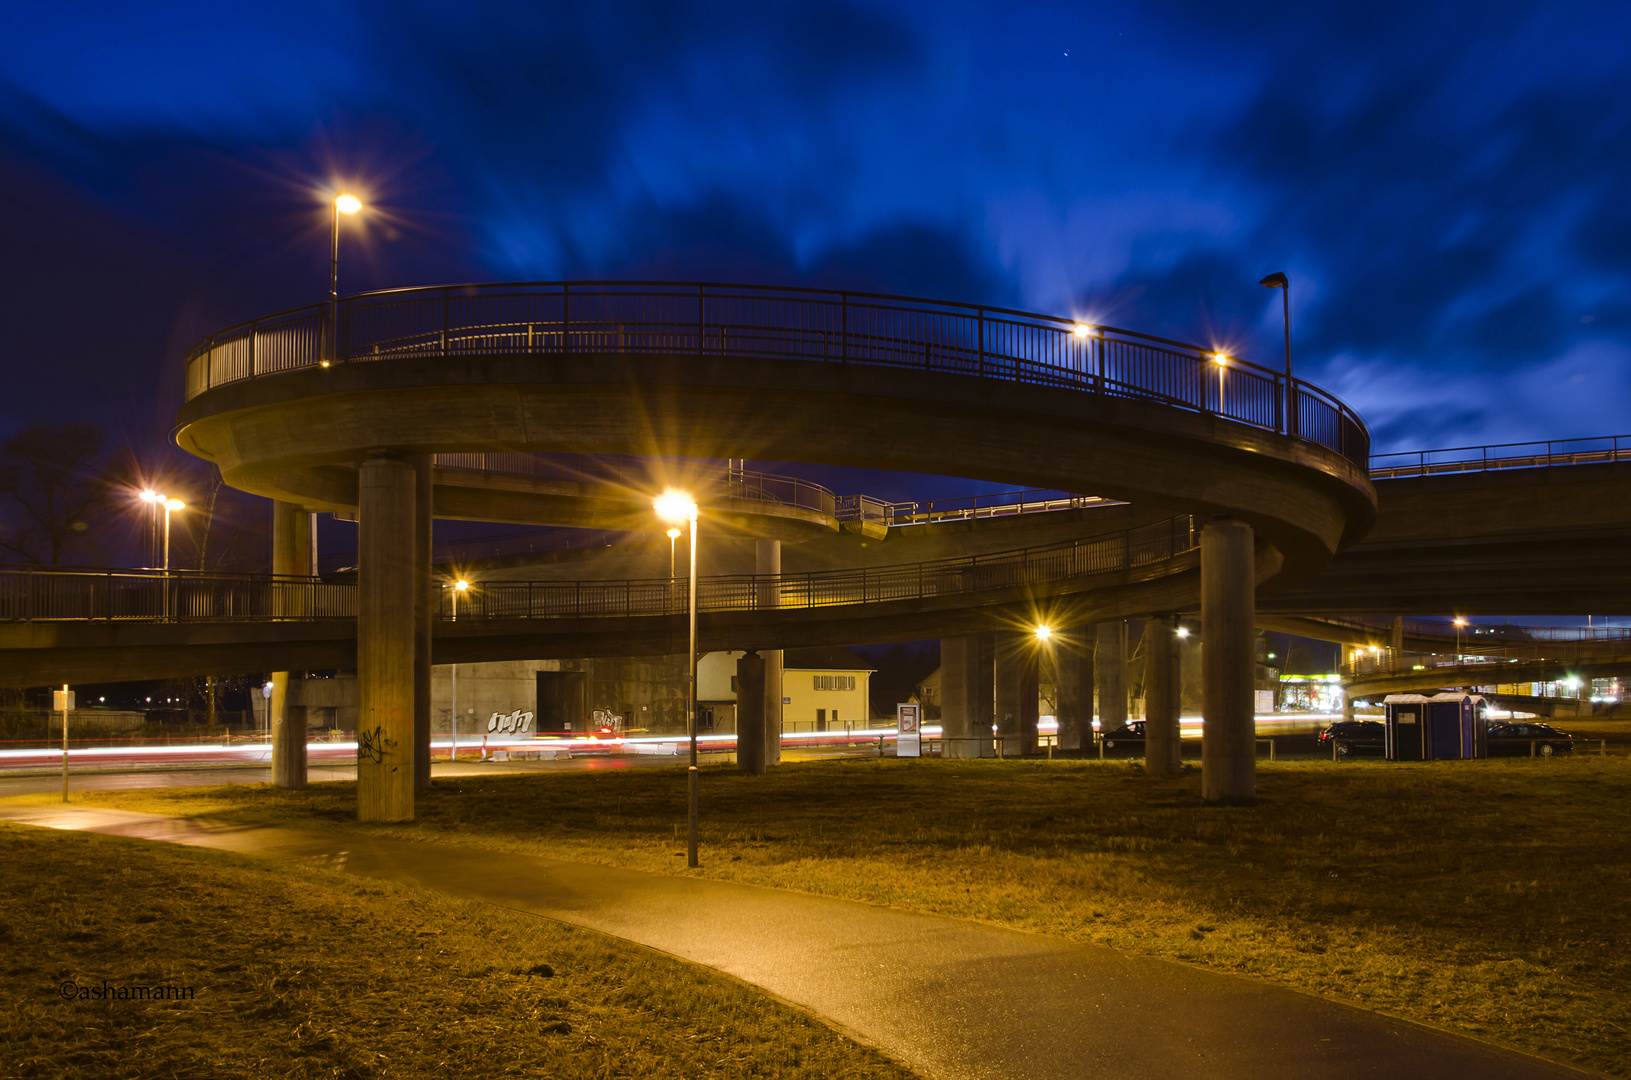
(62, 700)
(908, 739)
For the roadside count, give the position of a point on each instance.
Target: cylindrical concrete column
(291, 548)
(1163, 694)
(1073, 686)
(386, 637)
(750, 714)
(1347, 706)
(1110, 672)
(423, 611)
(1228, 636)
(965, 696)
(767, 562)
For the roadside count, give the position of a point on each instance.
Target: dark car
(1347, 737)
(1125, 741)
(1528, 738)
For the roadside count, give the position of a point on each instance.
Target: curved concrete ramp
(952, 1000)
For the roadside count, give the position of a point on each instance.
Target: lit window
(835, 682)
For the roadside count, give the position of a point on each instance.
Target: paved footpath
(952, 1000)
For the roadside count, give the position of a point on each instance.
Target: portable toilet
(1438, 728)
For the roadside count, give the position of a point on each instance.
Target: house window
(835, 682)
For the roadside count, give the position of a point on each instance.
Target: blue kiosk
(1437, 728)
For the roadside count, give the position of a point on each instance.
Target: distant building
(822, 688)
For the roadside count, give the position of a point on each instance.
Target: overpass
(325, 408)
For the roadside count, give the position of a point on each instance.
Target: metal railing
(1519, 455)
(643, 475)
(1482, 656)
(774, 323)
(40, 594)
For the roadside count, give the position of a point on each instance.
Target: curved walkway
(952, 1000)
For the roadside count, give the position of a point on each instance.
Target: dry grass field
(1491, 898)
(305, 973)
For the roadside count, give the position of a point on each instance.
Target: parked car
(1125, 741)
(1526, 737)
(1353, 737)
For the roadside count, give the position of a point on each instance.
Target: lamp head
(1081, 330)
(151, 496)
(174, 504)
(675, 505)
(347, 204)
(673, 534)
(1220, 359)
(1459, 621)
(1044, 632)
(461, 585)
(1276, 280)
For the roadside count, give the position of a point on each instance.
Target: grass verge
(307, 973)
(1490, 898)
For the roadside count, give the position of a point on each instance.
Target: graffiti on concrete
(519, 722)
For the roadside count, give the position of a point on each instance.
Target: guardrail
(1518, 455)
(775, 323)
(50, 594)
(1482, 661)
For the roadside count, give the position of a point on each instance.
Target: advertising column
(909, 739)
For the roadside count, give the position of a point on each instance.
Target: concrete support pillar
(1347, 706)
(424, 609)
(1110, 671)
(750, 714)
(1228, 638)
(1073, 687)
(1014, 677)
(767, 561)
(1163, 695)
(965, 696)
(386, 636)
(1398, 635)
(291, 547)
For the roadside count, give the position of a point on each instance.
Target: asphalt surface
(952, 1000)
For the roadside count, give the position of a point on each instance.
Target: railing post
(843, 328)
(982, 342)
(566, 317)
(444, 321)
(702, 318)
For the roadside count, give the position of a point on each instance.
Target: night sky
(1447, 185)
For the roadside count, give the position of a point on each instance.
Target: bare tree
(51, 489)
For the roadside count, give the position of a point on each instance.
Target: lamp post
(170, 507)
(343, 204)
(453, 751)
(1222, 362)
(1459, 624)
(675, 506)
(1278, 280)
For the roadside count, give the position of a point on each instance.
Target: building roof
(824, 658)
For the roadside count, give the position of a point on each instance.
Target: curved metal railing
(770, 322)
(1500, 456)
(46, 593)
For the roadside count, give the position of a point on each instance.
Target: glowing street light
(1081, 330)
(1222, 362)
(1044, 632)
(677, 507)
(673, 538)
(347, 204)
(1459, 623)
(170, 507)
(459, 586)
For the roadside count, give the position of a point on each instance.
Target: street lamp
(343, 204)
(673, 538)
(453, 751)
(170, 507)
(1044, 632)
(1459, 623)
(1278, 280)
(1222, 362)
(675, 506)
(153, 500)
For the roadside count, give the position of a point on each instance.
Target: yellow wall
(802, 700)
